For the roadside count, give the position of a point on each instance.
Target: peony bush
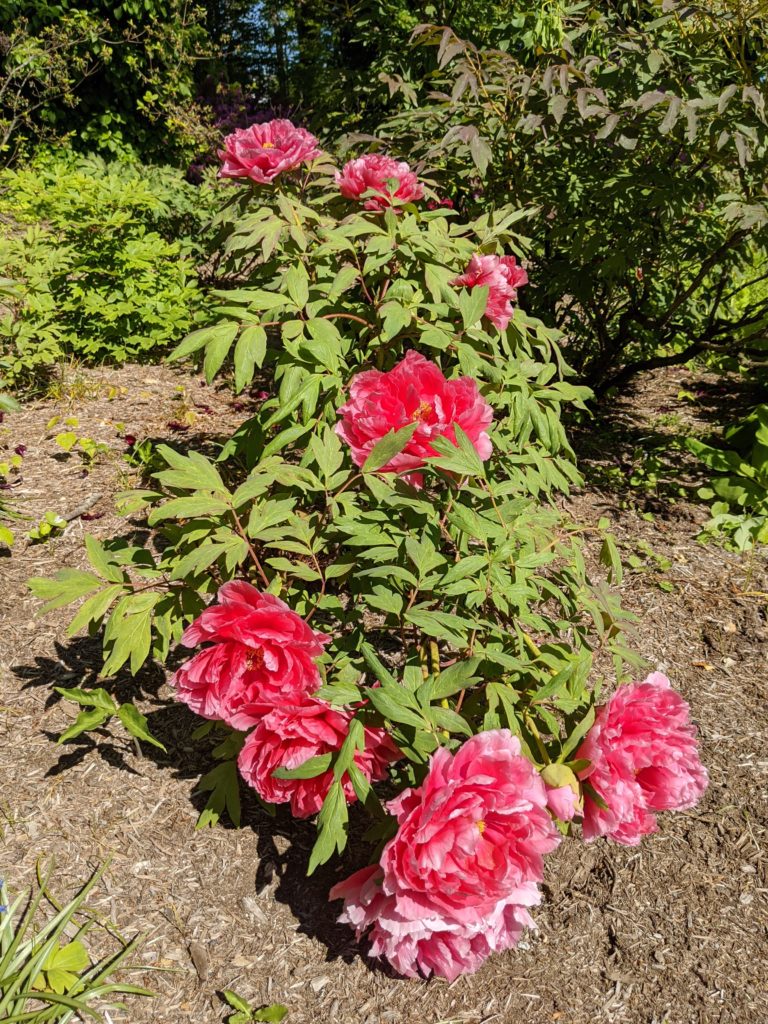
(379, 609)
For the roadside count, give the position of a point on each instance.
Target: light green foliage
(102, 258)
(636, 138)
(244, 1013)
(49, 526)
(739, 480)
(46, 975)
(69, 441)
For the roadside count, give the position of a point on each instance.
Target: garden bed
(674, 930)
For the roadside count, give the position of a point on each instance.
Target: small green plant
(641, 558)
(739, 480)
(49, 526)
(46, 975)
(244, 1013)
(69, 441)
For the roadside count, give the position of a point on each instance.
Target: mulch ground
(672, 932)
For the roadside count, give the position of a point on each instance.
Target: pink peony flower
(415, 390)
(263, 151)
(263, 653)
(375, 173)
(453, 884)
(644, 758)
(432, 945)
(503, 277)
(288, 736)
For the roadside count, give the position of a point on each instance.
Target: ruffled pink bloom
(562, 801)
(289, 736)
(453, 884)
(431, 945)
(376, 173)
(263, 653)
(503, 277)
(414, 391)
(644, 758)
(263, 151)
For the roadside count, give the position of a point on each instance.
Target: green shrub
(102, 258)
(477, 566)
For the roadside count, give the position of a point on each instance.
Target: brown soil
(672, 932)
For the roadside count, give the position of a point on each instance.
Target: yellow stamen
(424, 410)
(267, 145)
(480, 826)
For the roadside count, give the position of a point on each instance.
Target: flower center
(267, 145)
(480, 825)
(423, 412)
(255, 659)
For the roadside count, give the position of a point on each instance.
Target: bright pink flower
(453, 884)
(289, 736)
(263, 654)
(644, 758)
(503, 277)
(263, 151)
(414, 391)
(562, 801)
(432, 945)
(375, 173)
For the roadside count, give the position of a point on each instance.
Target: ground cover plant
(398, 600)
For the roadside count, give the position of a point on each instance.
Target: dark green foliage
(114, 76)
(637, 142)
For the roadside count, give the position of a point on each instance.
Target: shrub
(102, 256)
(636, 140)
(739, 480)
(424, 613)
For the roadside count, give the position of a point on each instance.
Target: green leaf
(271, 1014)
(217, 348)
(296, 282)
(332, 828)
(84, 721)
(575, 737)
(250, 350)
(388, 447)
(136, 724)
(192, 343)
(223, 783)
(94, 608)
(472, 304)
(236, 1001)
(98, 698)
(610, 558)
(309, 769)
(395, 704)
(101, 562)
(382, 674)
(481, 153)
(66, 586)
